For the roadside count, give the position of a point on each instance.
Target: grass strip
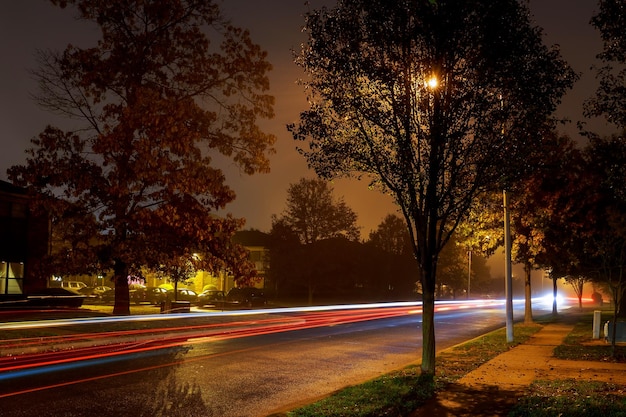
(580, 345)
(573, 399)
(401, 392)
(394, 394)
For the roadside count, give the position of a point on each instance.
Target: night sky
(28, 25)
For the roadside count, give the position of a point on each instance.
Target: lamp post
(507, 270)
(469, 272)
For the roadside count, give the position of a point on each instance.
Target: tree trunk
(428, 233)
(621, 305)
(429, 284)
(613, 335)
(428, 323)
(528, 305)
(122, 299)
(554, 310)
(580, 301)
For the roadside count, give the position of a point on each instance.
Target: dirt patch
(459, 400)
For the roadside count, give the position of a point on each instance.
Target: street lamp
(507, 269)
(469, 272)
(433, 82)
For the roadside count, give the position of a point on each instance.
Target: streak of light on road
(161, 317)
(109, 346)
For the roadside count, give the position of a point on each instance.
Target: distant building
(256, 243)
(24, 242)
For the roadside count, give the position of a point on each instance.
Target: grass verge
(401, 392)
(571, 398)
(580, 345)
(394, 394)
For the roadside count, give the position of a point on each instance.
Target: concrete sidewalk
(493, 388)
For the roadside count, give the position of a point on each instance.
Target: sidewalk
(494, 387)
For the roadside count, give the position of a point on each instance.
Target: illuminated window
(11, 277)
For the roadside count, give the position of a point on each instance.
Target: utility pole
(469, 272)
(507, 270)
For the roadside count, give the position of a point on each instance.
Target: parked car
(94, 291)
(73, 286)
(87, 292)
(150, 295)
(184, 294)
(101, 289)
(246, 297)
(211, 298)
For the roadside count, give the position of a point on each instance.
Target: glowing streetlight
(433, 82)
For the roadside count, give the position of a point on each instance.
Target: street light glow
(433, 82)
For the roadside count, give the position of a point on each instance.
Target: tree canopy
(391, 236)
(308, 237)
(605, 233)
(436, 101)
(606, 238)
(313, 213)
(169, 87)
(610, 97)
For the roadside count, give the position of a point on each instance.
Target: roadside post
(597, 323)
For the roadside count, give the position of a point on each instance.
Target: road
(239, 373)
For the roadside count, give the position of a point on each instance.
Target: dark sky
(28, 25)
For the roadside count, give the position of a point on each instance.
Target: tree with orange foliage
(168, 87)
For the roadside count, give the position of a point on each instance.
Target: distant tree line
(316, 254)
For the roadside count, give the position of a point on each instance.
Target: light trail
(358, 312)
(24, 366)
(168, 337)
(106, 347)
(196, 314)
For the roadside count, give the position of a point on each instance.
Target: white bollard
(597, 322)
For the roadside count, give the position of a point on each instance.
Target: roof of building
(8, 188)
(251, 238)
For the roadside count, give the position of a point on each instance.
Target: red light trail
(94, 348)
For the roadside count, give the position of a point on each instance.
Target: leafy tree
(169, 86)
(546, 206)
(436, 101)
(608, 247)
(610, 98)
(481, 230)
(577, 282)
(606, 233)
(480, 233)
(607, 154)
(453, 269)
(314, 214)
(391, 236)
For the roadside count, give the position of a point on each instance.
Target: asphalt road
(240, 377)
